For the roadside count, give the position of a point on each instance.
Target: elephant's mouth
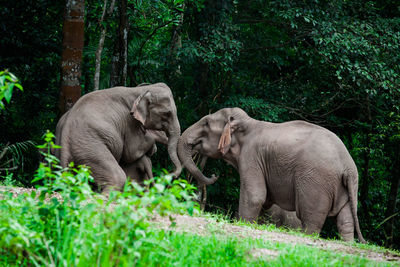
(196, 146)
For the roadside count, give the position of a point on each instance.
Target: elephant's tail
(350, 179)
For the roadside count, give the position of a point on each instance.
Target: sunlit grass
(185, 249)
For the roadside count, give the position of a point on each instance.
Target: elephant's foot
(312, 222)
(348, 237)
(311, 229)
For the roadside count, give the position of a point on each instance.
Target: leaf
(159, 187)
(19, 86)
(2, 78)
(8, 92)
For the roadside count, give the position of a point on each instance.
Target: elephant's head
(212, 136)
(155, 109)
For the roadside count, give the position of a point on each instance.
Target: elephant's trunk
(185, 152)
(173, 136)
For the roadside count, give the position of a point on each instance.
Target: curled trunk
(185, 152)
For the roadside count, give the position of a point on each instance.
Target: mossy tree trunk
(71, 59)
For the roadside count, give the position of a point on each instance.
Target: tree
(102, 24)
(119, 62)
(71, 59)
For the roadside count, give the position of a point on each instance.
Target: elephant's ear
(225, 140)
(140, 107)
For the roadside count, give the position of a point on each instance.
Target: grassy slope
(183, 249)
(215, 246)
(84, 236)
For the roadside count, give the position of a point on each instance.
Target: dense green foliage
(7, 83)
(64, 222)
(333, 63)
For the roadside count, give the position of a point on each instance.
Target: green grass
(221, 218)
(183, 249)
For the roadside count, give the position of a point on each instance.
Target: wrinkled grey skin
(281, 217)
(297, 165)
(140, 170)
(111, 128)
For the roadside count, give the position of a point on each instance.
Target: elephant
(140, 170)
(115, 127)
(281, 217)
(296, 165)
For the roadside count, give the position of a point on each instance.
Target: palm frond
(13, 156)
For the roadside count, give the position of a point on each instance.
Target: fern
(12, 156)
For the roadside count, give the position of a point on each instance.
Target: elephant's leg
(275, 214)
(147, 168)
(139, 170)
(106, 171)
(312, 207)
(345, 223)
(253, 193)
(313, 222)
(132, 171)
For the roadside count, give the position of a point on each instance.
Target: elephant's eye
(206, 123)
(166, 114)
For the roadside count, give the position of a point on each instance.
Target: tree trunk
(123, 36)
(99, 50)
(71, 59)
(392, 199)
(114, 73)
(119, 61)
(176, 43)
(201, 79)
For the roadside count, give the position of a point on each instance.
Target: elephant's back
(313, 142)
(299, 153)
(85, 134)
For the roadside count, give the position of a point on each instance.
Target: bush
(64, 222)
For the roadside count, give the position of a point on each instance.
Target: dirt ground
(205, 226)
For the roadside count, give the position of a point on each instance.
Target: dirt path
(204, 226)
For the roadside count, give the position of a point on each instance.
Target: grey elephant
(140, 170)
(115, 127)
(281, 217)
(297, 165)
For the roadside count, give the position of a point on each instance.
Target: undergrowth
(64, 223)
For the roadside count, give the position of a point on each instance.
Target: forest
(332, 63)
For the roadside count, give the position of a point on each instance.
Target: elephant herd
(294, 167)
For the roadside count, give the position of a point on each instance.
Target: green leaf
(8, 93)
(19, 86)
(160, 187)
(2, 78)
